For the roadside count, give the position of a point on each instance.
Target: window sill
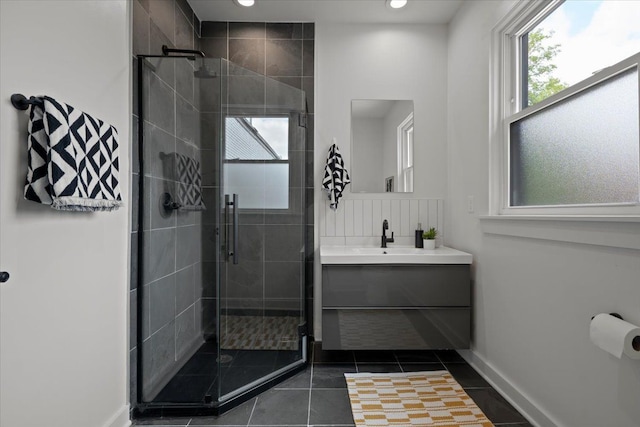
(600, 230)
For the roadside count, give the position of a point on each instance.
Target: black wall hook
(21, 102)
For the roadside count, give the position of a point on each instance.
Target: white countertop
(392, 255)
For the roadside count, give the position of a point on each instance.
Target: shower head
(204, 73)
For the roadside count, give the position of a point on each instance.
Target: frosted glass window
(580, 151)
(258, 185)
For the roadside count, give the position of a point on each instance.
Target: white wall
(63, 336)
(533, 298)
(382, 61)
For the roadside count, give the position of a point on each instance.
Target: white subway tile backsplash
(376, 217)
(330, 215)
(367, 218)
(358, 218)
(423, 213)
(348, 218)
(433, 214)
(405, 218)
(359, 222)
(394, 221)
(414, 212)
(386, 211)
(339, 221)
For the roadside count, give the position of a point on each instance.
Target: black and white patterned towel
(336, 176)
(72, 159)
(189, 183)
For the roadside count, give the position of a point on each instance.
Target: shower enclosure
(221, 304)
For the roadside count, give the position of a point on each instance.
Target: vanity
(395, 298)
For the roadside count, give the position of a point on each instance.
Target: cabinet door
(392, 329)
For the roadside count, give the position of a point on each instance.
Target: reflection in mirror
(257, 161)
(381, 146)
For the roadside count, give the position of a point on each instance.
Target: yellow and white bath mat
(412, 399)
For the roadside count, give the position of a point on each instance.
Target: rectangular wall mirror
(381, 146)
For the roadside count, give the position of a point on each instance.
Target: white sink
(392, 255)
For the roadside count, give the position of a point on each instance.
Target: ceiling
(370, 108)
(337, 11)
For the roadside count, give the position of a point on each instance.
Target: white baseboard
(510, 392)
(121, 419)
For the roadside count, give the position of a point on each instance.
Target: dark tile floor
(318, 395)
(200, 376)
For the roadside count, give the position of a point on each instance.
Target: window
(405, 157)
(256, 161)
(568, 110)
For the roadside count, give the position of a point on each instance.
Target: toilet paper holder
(636, 340)
(611, 314)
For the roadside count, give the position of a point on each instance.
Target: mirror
(381, 146)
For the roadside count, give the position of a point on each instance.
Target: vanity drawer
(393, 329)
(396, 286)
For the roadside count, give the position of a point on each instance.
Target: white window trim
(504, 101)
(402, 128)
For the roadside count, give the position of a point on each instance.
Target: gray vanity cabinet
(391, 307)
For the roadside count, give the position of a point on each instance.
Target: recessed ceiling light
(396, 4)
(245, 3)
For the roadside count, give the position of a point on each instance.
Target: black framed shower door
(221, 266)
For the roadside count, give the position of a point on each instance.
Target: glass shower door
(261, 326)
(221, 232)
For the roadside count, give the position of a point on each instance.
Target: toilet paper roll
(615, 336)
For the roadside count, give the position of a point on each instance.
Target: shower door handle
(235, 228)
(231, 250)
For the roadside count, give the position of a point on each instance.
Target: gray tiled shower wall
(269, 278)
(179, 268)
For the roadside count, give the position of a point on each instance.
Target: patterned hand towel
(189, 183)
(336, 176)
(72, 159)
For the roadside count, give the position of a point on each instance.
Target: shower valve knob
(4, 276)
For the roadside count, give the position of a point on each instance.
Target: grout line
(310, 389)
(335, 388)
(252, 409)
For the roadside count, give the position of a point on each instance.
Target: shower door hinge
(302, 330)
(302, 120)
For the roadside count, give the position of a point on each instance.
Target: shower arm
(166, 50)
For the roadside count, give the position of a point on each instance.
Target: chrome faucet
(385, 239)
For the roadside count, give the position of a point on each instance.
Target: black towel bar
(21, 102)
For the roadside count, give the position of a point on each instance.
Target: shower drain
(225, 358)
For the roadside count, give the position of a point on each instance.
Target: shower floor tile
(259, 332)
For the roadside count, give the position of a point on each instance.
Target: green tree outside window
(541, 82)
